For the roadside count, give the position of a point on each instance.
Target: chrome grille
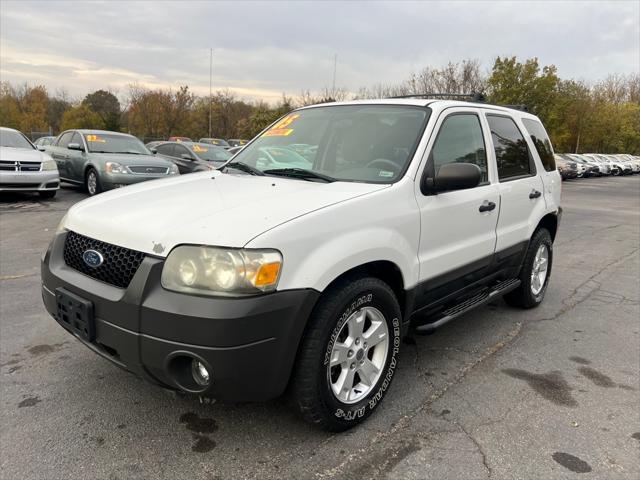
(149, 169)
(29, 166)
(13, 166)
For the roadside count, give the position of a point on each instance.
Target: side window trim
(429, 168)
(533, 171)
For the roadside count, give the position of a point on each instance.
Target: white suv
(304, 266)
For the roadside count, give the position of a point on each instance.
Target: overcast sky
(261, 49)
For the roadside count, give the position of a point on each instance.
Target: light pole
(335, 64)
(210, 83)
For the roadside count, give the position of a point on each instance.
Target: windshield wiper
(243, 167)
(300, 173)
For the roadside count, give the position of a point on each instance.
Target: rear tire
(92, 182)
(348, 355)
(535, 273)
(48, 194)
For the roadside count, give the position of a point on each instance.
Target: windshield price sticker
(280, 129)
(95, 138)
(198, 148)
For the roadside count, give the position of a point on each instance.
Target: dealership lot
(500, 393)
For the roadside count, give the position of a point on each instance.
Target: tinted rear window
(542, 143)
(512, 154)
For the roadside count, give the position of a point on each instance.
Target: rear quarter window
(542, 143)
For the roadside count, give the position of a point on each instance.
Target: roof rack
(522, 108)
(473, 96)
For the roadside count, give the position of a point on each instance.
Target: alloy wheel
(358, 355)
(539, 270)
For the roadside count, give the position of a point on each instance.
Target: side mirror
(75, 146)
(153, 150)
(186, 156)
(455, 176)
(41, 148)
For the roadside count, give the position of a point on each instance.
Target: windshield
(210, 152)
(362, 143)
(107, 143)
(9, 138)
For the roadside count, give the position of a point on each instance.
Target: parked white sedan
(24, 168)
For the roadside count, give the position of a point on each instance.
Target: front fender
(327, 261)
(322, 245)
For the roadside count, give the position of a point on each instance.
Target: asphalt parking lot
(500, 393)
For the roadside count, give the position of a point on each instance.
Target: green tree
(81, 117)
(33, 103)
(512, 82)
(107, 106)
(10, 115)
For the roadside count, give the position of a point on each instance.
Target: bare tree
(457, 78)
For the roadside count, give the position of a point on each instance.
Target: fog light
(200, 373)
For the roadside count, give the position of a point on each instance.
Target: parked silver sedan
(101, 160)
(24, 168)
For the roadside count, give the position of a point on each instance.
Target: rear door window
(512, 154)
(541, 142)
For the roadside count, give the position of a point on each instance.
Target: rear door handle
(534, 194)
(487, 206)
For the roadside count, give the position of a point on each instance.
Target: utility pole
(210, 84)
(335, 64)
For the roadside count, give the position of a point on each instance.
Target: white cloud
(262, 49)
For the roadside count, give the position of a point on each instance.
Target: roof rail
(473, 96)
(522, 108)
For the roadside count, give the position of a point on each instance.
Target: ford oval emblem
(93, 258)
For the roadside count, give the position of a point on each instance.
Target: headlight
(173, 169)
(221, 271)
(49, 165)
(115, 167)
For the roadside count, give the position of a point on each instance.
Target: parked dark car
(220, 142)
(568, 168)
(155, 143)
(592, 168)
(192, 157)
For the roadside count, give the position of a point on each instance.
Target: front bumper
(109, 181)
(29, 181)
(248, 344)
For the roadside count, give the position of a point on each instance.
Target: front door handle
(487, 206)
(534, 194)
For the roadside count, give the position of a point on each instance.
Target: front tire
(92, 182)
(348, 356)
(535, 272)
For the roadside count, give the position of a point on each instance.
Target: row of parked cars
(100, 160)
(573, 165)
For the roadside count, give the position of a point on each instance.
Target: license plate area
(76, 314)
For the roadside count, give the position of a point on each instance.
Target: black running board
(460, 309)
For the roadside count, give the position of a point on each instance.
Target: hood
(209, 208)
(132, 159)
(22, 155)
